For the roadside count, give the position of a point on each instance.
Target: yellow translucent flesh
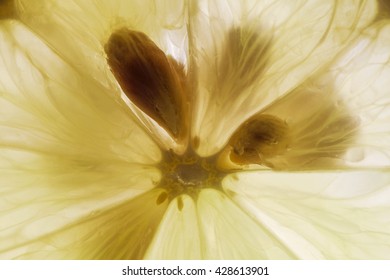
(292, 39)
(120, 232)
(213, 227)
(80, 181)
(320, 215)
(86, 26)
(67, 149)
(229, 233)
(178, 234)
(339, 118)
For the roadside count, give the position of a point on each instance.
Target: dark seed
(258, 139)
(151, 80)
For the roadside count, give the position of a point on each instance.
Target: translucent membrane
(80, 170)
(67, 149)
(291, 40)
(336, 119)
(120, 232)
(178, 234)
(318, 215)
(86, 26)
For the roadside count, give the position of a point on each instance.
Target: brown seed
(151, 80)
(258, 139)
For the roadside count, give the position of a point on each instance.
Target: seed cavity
(259, 139)
(188, 174)
(154, 82)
